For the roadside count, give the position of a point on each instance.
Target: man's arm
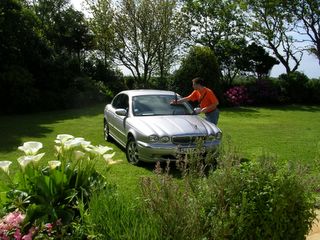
(209, 108)
(178, 101)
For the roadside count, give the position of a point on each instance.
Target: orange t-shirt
(206, 97)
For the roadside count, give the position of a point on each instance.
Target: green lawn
(290, 133)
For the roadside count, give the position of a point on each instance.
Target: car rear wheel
(132, 151)
(106, 130)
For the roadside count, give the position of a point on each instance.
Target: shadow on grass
(15, 127)
(301, 108)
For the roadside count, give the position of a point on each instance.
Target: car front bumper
(170, 152)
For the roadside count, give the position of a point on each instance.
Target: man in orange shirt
(207, 100)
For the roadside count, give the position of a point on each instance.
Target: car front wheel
(132, 151)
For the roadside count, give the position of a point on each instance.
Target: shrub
(314, 91)
(237, 95)
(200, 62)
(294, 87)
(238, 200)
(257, 200)
(17, 90)
(264, 91)
(52, 193)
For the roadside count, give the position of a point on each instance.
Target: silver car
(151, 129)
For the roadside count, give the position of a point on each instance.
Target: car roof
(139, 92)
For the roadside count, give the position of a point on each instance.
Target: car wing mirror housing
(121, 112)
(197, 110)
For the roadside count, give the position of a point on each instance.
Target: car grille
(186, 140)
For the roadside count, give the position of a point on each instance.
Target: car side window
(121, 101)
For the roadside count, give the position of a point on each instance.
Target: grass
(290, 133)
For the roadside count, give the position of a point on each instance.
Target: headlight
(153, 138)
(211, 137)
(165, 139)
(214, 136)
(218, 135)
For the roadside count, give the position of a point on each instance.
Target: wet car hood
(173, 125)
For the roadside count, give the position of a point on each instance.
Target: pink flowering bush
(51, 194)
(10, 227)
(237, 95)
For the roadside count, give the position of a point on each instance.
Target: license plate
(191, 150)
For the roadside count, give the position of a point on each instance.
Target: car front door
(118, 121)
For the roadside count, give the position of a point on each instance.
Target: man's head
(198, 83)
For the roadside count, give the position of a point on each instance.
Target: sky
(309, 65)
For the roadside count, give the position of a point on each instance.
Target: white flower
(75, 142)
(99, 150)
(54, 164)
(62, 138)
(38, 157)
(31, 148)
(4, 165)
(58, 149)
(85, 144)
(25, 160)
(108, 157)
(78, 155)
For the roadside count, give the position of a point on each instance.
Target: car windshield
(151, 105)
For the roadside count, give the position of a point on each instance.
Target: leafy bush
(314, 91)
(294, 87)
(239, 200)
(17, 90)
(237, 95)
(200, 62)
(257, 200)
(52, 193)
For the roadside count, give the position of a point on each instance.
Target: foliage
(271, 25)
(146, 36)
(265, 92)
(113, 215)
(307, 14)
(294, 86)
(42, 48)
(237, 95)
(238, 200)
(314, 91)
(47, 194)
(200, 62)
(17, 90)
(256, 60)
(213, 21)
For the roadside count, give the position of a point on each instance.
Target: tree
(271, 25)
(21, 49)
(101, 26)
(219, 25)
(213, 21)
(71, 33)
(229, 53)
(199, 62)
(256, 60)
(307, 13)
(142, 30)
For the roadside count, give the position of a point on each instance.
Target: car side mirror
(197, 110)
(121, 112)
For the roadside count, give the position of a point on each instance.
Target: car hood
(173, 125)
